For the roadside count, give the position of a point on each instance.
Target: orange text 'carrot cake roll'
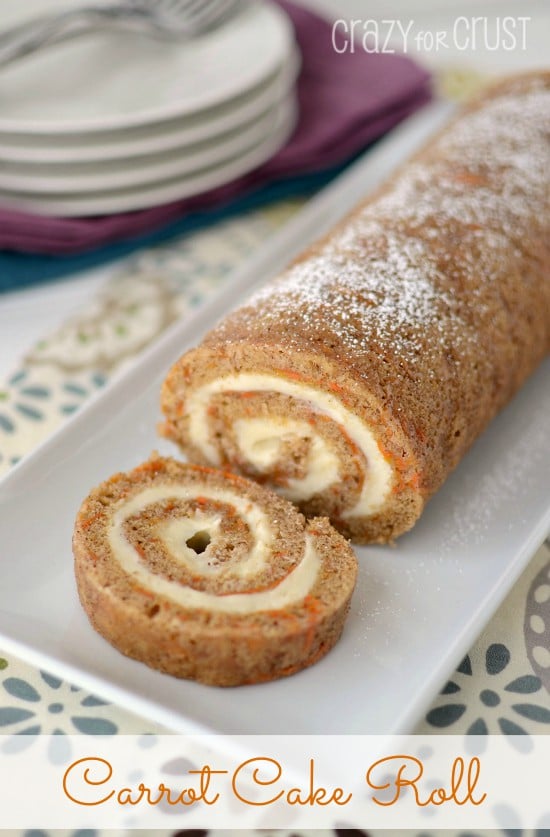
(356, 381)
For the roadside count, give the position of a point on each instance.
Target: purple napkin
(346, 101)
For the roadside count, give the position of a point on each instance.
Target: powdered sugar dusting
(380, 283)
(389, 297)
(490, 170)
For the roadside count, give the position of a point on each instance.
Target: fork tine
(188, 7)
(168, 19)
(211, 12)
(180, 6)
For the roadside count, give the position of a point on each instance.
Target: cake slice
(208, 576)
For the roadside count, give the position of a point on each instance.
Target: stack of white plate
(116, 122)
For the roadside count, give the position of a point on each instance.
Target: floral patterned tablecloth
(502, 685)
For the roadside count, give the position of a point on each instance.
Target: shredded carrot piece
(144, 591)
(291, 669)
(335, 387)
(233, 477)
(290, 373)
(150, 466)
(415, 481)
(262, 589)
(85, 524)
(117, 477)
(471, 179)
(185, 372)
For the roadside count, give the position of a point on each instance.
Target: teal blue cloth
(20, 270)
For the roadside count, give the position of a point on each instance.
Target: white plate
(154, 138)
(170, 189)
(79, 179)
(417, 608)
(114, 80)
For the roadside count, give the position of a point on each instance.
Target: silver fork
(165, 19)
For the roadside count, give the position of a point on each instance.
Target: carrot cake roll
(209, 576)
(355, 382)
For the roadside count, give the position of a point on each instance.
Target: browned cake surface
(422, 312)
(199, 641)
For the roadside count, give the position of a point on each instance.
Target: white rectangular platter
(417, 607)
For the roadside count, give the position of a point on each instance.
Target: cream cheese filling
(260, 440)
(176, 532)
(378, 476)
(293, 587)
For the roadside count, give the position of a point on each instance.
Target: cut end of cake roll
(307, 428)
(355, 382)
(208, 576)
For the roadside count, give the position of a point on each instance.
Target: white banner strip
(174, 781)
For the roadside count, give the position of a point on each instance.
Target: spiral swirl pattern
(206, 575)
(309, 445)
(357, 380)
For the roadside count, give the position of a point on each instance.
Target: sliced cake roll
(209, 576)
(354, 383)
